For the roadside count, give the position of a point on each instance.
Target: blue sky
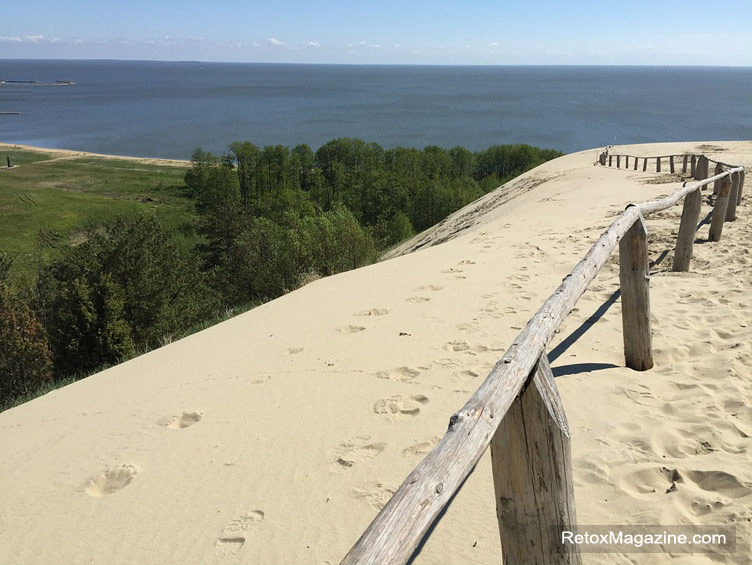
(384, 32)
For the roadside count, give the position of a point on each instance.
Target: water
(166, 109)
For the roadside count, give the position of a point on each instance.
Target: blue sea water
(166, 109)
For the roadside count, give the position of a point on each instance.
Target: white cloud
(493, 44)
(6, 39)
(314, 44)
(35, 38)
(365, 44)
(274, 42)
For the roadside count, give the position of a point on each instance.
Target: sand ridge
(277, 435)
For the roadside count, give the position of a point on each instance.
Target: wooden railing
(517, 409)
(688, 162)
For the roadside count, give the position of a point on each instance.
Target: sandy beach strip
(71, 154)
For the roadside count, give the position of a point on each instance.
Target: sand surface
(276, 436)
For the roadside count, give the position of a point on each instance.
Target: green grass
(46, 202)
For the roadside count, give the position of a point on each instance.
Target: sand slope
(276, 436)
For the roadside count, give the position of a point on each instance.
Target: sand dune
(276, 436)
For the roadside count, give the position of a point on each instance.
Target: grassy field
(47, 200)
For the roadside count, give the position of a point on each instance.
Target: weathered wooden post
(634, 277)
(717, 183)
(626, 161)
(733, 198)
(636, 159)
(700, 171)
(610, 160)
(687, 229)
(719, 211)
(645, 164)
(741, 188)
(618, 161)
(657, 164)
(532, 470)
(694, 164)
(684, 164)
(671, 163)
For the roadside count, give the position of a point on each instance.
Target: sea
(167, 109)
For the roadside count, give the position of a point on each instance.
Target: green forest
(261, 222)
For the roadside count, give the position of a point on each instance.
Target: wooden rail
(518, 412)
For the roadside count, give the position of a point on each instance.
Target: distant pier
(36, 83)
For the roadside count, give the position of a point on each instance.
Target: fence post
(694, 164)
(657, 164)
(610, 159)
(636, 159)
(717, 183)
(618, 161)
(741, 188)
(626, 161)
(719, 211)
(687, 229)
(733, 198)
(532, 470)
(634, 277)
(671, 163)
(700, 171)
(684, 164)
(645, 165)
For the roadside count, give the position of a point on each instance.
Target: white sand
(276, 436)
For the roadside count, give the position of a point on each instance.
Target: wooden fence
(517, 409)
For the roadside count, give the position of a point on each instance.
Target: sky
(482, 32)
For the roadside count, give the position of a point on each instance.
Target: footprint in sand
(467, 374)
(418, 299)
(354, 451)
(184, 420)
(466, 262)
(649, 481)
(350, 329)
(375, 494)
(235, 533)
(422, 447)
(401, 374)
(400, 405)
(457, 345)
(294, 350)
(720, 482)
(431, 287)
(372, 312)
(112, 480)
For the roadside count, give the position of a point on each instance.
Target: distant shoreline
(68, 153)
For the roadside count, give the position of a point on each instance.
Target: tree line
(267, 220)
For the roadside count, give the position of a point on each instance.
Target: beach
(276, 436)
(69, 154)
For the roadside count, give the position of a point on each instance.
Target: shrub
(25, 361)
(124, 288)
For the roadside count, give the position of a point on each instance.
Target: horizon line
(110, 59)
